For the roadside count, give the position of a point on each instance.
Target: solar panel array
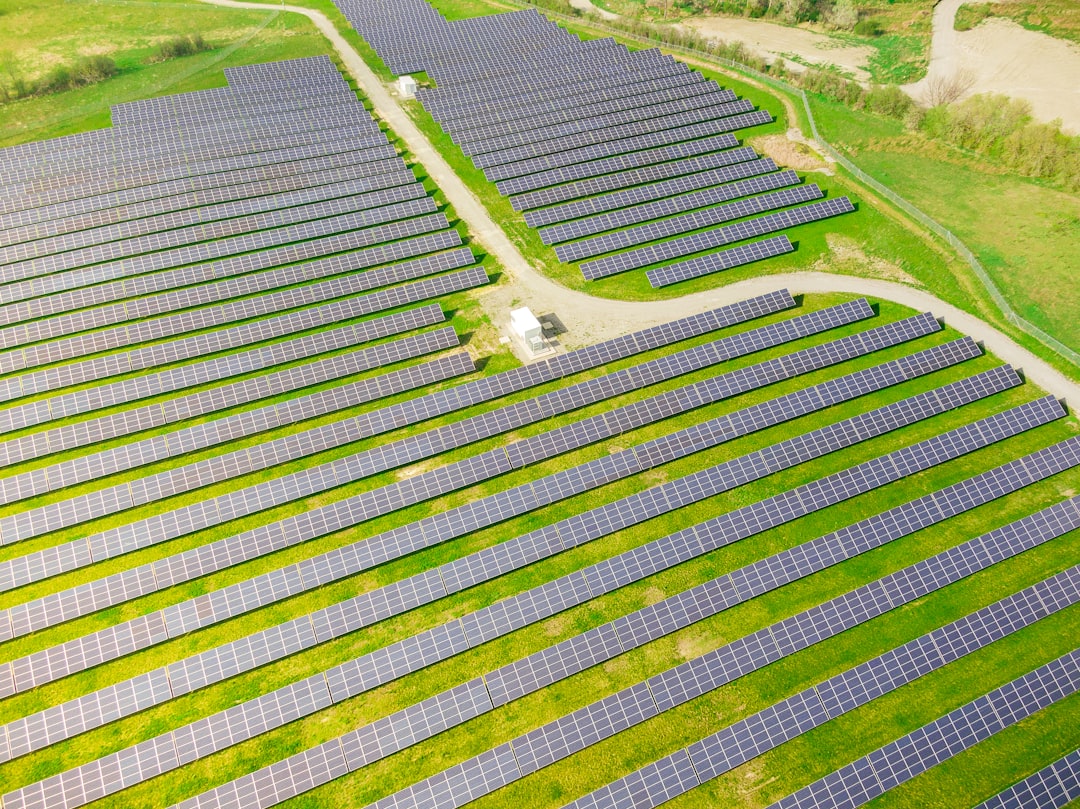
(576, 731)
(889, 766)
(1052, 787)
(566, 127)
(153, 407)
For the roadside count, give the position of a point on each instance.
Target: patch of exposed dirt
(774, 41)
(789, 153)
(846, 256)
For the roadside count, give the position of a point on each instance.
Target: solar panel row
(97, 595)
(177, 675)
(214, 369)
(558, 739)
(143, 303)
(529, 674)
(42, 411)
(645, 211)
(140, 217)
(707, 240)
(1052, 787)
(901, 760)
(211, 433)
(744, 740)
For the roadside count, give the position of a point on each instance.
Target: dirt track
(589, 319)
(1003, 57)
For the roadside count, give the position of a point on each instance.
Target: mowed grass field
(38, 35)
(1022, 230)
(986, 769)
(1034, 743)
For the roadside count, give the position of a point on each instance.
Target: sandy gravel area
(771, 41)
(1003, 57)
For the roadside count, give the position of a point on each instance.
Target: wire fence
(915, 213)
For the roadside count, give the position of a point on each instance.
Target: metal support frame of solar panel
(143, 303)
(573, 732)
(601, 150)
(751, 737)
(656, 229)
(216, 369)
(282, 150)
(672, 405)
(453, 571)
(647, 105)
(359, 190)
(235, 503)
(42, 411)
(699, 242)
(224, 237)
(1052, 787)
(333, 234)
(334, 158)
(248, 423)
(667, 206)
(1054, 412)
(263, 190)
(897, 762)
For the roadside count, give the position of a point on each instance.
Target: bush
(178, 46)
(888, 100)
(869, 28)
(86, 71)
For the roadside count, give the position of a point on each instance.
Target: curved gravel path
(589, 319)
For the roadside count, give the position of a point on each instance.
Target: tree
(843, 15)
(940, 90)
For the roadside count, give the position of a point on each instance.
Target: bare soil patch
(781, 41)
(788, 153)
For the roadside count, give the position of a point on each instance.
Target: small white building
(407, 86)
(528, 329)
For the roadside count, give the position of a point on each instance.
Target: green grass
(1026, 244)
(1057, 18)
(128, 33)
(636, 746)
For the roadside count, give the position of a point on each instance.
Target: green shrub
(869, 27)
(186, 45)
(888, 100)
